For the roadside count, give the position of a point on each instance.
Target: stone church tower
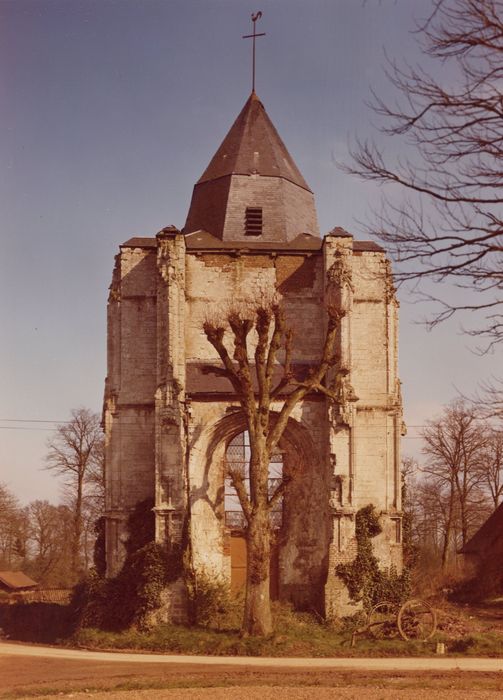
(171, 425)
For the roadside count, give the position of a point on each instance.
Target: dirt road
(33, 671)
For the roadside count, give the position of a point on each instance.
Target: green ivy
(141, 525)
(128, 598)
(364, 579)
(99, 552)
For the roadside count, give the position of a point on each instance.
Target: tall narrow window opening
(253, 221)
(238, 457)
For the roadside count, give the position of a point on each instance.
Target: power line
(127, 434)
(16, 427)
(31, 420)
(38, 420)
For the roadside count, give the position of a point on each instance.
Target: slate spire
(252, 187)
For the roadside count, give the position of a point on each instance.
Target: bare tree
(449, 225)
(50, 542)
(454, 447)
(409, 472)
(11, 529)
(489, 399)
(492, 465)
(430, 532)
(75, 452)
(252, 375)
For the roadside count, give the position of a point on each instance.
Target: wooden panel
(238, 567)
(274, 573)
(238, 563)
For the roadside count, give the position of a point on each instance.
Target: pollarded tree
(449, 223)
(75, 452)
(267, 403)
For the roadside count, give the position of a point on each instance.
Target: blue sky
(110, 111)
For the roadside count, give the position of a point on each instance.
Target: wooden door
(238, 566)
(238, 563)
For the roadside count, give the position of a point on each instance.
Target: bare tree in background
(492, 465)
(489, 399)
(12, 529)
(430, 533)
(50, 543)
(454, 446)
(75, 452)
(253, 377)
(449, 224)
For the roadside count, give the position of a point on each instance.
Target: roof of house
(486, 535)
(16, 579)
(253, 146)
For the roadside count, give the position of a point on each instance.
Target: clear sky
(110, 110)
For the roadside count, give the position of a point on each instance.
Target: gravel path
(43, 672)
(425, 663)
(287, 693)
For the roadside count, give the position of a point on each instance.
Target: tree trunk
(448, 529)
(257, 619)
(77, 529)
(464, 525)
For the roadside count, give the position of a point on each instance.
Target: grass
(296, 634)
(480, 644)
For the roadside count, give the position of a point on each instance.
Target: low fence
(60, 596)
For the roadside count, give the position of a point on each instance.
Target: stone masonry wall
(342, 456)
(287, 209)
(129, 394)
(215, 281)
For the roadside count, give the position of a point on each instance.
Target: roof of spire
(253, 145)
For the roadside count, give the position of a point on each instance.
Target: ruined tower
(171, 426)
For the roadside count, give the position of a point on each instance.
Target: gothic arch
(226, 428)
(304, 537)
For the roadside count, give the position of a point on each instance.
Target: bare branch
(454, 133)
(237, 481)
(279, 491)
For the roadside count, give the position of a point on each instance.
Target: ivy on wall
(128, 598)
(364, 579)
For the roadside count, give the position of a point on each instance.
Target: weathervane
(253, 36)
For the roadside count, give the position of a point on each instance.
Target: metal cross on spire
(253, 36)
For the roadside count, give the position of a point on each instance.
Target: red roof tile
(16, 580)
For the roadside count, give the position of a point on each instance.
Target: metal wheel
(382, 621)
(416, 620)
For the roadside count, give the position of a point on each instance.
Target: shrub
(212, 604)
(130, 597)
(88, 604)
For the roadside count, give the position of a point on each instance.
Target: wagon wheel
(416, 620)
(381, 622)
